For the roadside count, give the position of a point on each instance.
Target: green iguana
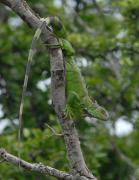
(77, 93)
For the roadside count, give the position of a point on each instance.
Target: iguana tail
(50, 21)
(32, 52)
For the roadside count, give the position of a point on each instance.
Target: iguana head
(102, 113)
(97, 111)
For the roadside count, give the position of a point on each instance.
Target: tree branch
(75, 156)
(21, 8)
(47, 170)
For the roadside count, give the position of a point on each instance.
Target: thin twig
(53, 131)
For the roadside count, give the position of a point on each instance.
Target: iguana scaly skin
(76, 88)
(77, 91)
(78, 100)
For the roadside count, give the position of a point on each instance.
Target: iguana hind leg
(73, 108)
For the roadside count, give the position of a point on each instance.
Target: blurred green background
(105, 35)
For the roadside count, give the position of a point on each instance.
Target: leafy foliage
(105, 37)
